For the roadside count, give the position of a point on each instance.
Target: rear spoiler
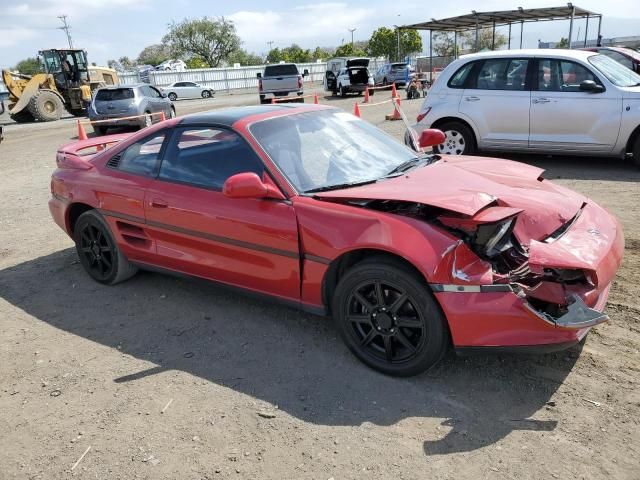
(76, 155)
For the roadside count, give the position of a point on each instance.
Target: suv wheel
(459, 140)
(636, 152)
(343, 91)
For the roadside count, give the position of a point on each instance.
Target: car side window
(206, 156)
(141, 158)
(459, 78)
(154, 92)
(179, 84)
(562, 75)
(502, 74)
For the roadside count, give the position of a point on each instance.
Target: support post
(509, 46)
(573, 11)
(455, 45)
(493, 37)
(521, 28)
(476, 46)
(586, 31)
(431, 56)
(599, 41)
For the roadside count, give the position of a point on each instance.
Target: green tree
(123, 64)
(274, 55)
(196, 62)
(28, 66)
(384, 43)
(296, 54)
(485, 40)
(212, 39)
(244, 58)
(563, 43)
(154, 54)
(443, 44)
(347, 50)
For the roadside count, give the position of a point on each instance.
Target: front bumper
(502, 315)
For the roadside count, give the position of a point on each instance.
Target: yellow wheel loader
(45, 96)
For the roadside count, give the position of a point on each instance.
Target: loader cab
(68, 67)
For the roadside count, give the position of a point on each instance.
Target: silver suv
(538, 101)
(117, 102)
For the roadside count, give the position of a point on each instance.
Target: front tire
(98, 252)
(343, 91)
(388, 319)
(636, 152)
(459, 139)
(205, 94)
(172, 96)
(46, 106)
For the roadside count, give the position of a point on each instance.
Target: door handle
(159, 203)
(540, 100)
(472, 99)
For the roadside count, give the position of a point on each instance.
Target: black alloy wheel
(389, 319)
(98, 252)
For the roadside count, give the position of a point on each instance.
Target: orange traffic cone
(162, 117)
(396, 110)
(366, 95)
(273, 100)
(315, 98)
(394, 94)
(356, 110)
(82, 135)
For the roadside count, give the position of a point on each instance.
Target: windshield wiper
(412, 162)
(340, 186)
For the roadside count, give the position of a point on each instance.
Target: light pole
(352, 30)
(398, 51)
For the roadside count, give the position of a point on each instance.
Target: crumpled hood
(466, 185)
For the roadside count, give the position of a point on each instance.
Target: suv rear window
(110, 95)
(278, 70)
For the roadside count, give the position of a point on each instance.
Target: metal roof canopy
(477, 20)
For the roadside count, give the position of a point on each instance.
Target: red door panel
(251, 243)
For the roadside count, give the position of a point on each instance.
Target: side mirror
(591, 86)
(431, 137)
(305, 73)
(259, 75)
(249, 185)
(163, 95)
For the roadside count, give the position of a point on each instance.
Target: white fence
(225, 79)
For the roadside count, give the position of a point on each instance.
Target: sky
(114, 28)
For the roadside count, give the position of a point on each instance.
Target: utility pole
(270, 43)
(66, 29)
(352, 30)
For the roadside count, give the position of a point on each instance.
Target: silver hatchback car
(113, 106)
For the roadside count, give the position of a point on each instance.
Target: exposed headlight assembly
(494, 238)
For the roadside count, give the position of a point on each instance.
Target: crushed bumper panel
(578, 315)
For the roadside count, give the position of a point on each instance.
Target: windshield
(321, 149)
(615, 72)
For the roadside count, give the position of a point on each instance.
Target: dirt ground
(168, 378)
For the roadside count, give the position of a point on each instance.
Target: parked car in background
(569, 102)
(178, 90)
(318, 209)
(172, 65)
(397, 72)
(111, 104)
(628, 57)
(348, 75)
(280, 80)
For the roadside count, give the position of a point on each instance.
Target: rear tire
(98, 252)
(45, 106)
(389, 319)
(99, 131)
(172, 112)
(636, 152)
(459, 139)
(343, 91)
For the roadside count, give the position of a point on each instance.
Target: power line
(66, 28)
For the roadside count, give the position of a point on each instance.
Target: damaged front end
(561, 278)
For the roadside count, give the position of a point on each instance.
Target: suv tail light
(299, 81)
(260, 84)
(423, 114)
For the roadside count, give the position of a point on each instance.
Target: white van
(347, 75)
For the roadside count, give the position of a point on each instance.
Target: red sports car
(410, 253)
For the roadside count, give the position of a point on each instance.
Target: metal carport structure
(479, 20)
